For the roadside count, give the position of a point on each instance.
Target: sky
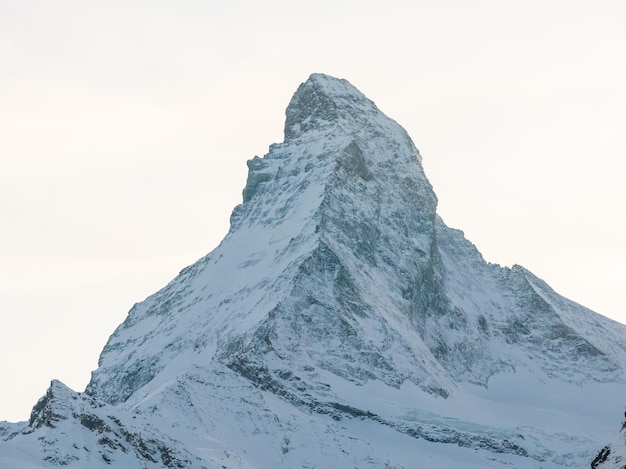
(125, 127)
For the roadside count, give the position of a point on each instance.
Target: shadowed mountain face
(339, 301)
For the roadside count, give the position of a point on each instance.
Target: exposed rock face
(339, 295)
(613, 455)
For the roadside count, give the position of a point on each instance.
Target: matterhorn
(340, 324)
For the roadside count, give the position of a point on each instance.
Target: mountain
(340, 323)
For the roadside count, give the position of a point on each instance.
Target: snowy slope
(341, 323)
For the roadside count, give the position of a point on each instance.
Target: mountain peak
(332, 87)
(324, 101)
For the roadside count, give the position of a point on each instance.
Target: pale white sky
(125, 127)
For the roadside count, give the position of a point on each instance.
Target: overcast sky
(125, 127)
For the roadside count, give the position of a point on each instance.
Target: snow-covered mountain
(340, 323)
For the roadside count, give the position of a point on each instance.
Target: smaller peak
(51, 407)
(320, 100)
(55, 384)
